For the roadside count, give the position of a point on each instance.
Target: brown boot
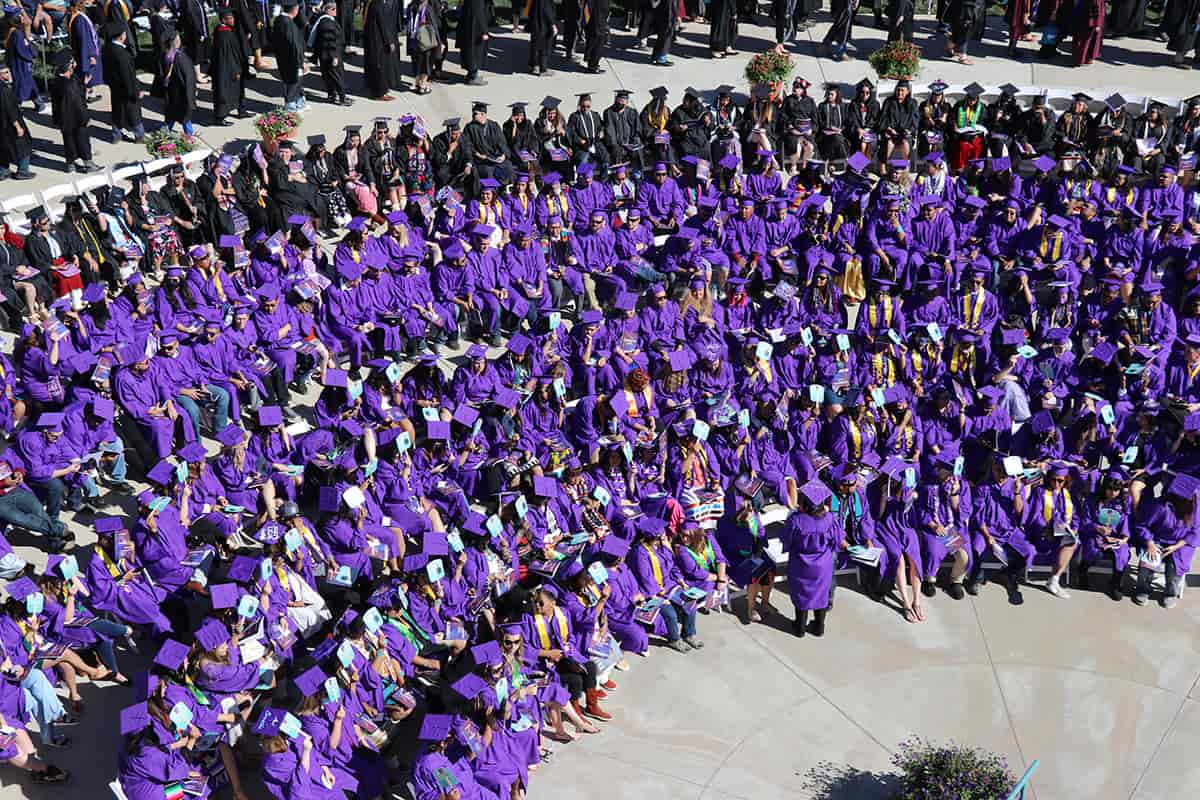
(593, 709)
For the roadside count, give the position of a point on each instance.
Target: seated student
(293, 769)
(435, 776)
(153, 762)
(549, 629)
(653, 565)
(1105, 525)
(1167, 535)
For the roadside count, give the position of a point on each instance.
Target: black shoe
(956, 591)
(818, 624)
(1114, 588)
(800, 624)
(594, 71)
(928, 588)
(24, 176)
(972, 588)
(1014, 591)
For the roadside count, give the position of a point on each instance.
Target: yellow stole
(1048, 506)
(655, 564)
(972, 311)
(543, 632)
(873, 312)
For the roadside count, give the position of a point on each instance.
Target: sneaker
(694, 643)
(956, 591)
(1170, 602)
(72, 169)
(24, 175)
(1141, 599)
(1056, 589)
(928, 588)
(678, 646)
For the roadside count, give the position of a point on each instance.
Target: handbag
(427, 37)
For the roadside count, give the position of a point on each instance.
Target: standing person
(345, 17)
(250, 16)
(425, 41)
(227, 67)
(621, 130)
(1019, 15)
(179, 86)
(19, 55)
(1128, 18)
(664, 20)
(900, 19)
(85, 44)
(288, 42)
(595, 29)
(471, 37)
(1179, 26)
(969, 12)
(16, 145)
(813, 536)
(381, 49)
(70, 114)
(542, 30)
(722, 31)
(123, 88)
(837, 38)
(1089, 32)
(325, 40)
(193, 30)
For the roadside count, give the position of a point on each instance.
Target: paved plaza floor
(1105, 695)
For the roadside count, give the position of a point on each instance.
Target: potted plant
(163, 143)
(896, 60)
(950, 772)
(274, 125)
(770, 69)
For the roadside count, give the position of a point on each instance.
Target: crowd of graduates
(437, 433)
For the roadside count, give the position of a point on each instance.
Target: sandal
(910, 615)
(920, 612)
(51, 774)
(566, 737)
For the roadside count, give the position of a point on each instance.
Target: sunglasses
(511, 642)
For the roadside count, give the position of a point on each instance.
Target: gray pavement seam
(1162, 740)
(1003, 698)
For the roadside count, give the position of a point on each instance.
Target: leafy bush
(897, 60)
(275, 123)
(772, 66)
(950, 772)
(163, 143)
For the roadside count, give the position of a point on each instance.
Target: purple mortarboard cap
(268, 292)
(328, 499)
(476, 351)
(680, 360)
(335, 377)
(51, 420)
(815, 492)
(544, 486)
(310, 681)
(270, 415)
(212, 634)
(93, 293)
(224, 595)
(438, 431)
(519, 344)
(1183, 486)
(1043, 163)
(619, 403)
(134, 719)
(1042, 422)
(893, 467)
(992, 394)
(103, 407)
(146, 497)
(396, 217)
(193, 452)
(436, 727)
(486, 653)
(1057, 335)
(506, 398)
(1149, 286)
(171, 654)
(465, 415)
(415, 563)
(269, 721)
(453, 250)
(229, 241)
(857, 161)
(242, 568)
(434, 543)
(1060, 470)
(975, 202)
(653, 526)
(21, 588)
(614, 546)
(231, 436)
(108, 525)
(1013, 336)
(161, 473)
(626, 301)
(729, 161)
(474, 524)
(1103, 352)
(350, 270)
(482, 231)
(1057, 221)
(592, 316)
(845, 473)
(357, 224)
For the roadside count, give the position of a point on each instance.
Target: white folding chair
(14, 206)
(52, 198)
(85, 185)
(193, 162)
(158, 165)
(125, 173)
(118, 792)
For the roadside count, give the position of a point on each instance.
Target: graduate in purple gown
(812, 538)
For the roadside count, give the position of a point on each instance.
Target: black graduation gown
(161, 30)
(13, 148)
(246, 19)
(521, 137)
(723, 25)
(448, 166)
(122, 85)
(68, 107)
(1179, 21)
(291, 197)
(468, 37)
(1127, 18)
(180, 89)
(900, 117)
(122, 11)
(227, 68)
(288, 41)
(193, 30)
(381, 51)
(622, 129)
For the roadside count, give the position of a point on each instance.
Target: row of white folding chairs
(52, 198)
(1057, 98)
